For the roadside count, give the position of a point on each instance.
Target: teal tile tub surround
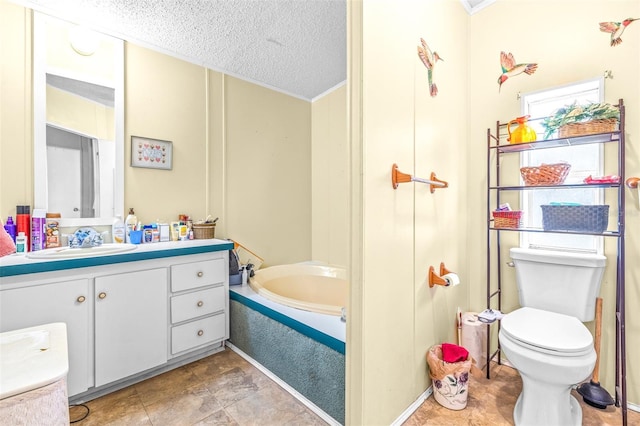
(304, 349)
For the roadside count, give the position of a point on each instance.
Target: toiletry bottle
(10, 227)
(52, 230)
(23, 222)
(244, 275)
(21, 243)
(131, 222)
(38, 223)
(118, 230)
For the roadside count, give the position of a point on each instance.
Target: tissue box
(592, 219)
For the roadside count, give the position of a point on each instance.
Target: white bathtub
(315, 288)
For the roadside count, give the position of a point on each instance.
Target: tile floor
(224, 389)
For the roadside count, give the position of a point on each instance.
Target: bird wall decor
(616, 29)
(511, 69)
(429, 60)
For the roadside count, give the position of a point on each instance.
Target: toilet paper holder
(437, 279)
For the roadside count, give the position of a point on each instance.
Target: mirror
(78, 78)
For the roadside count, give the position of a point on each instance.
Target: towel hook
(632, 182)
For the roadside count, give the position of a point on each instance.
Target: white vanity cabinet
(43, 302)
(199, 301)
(130, 323)
(129, 316)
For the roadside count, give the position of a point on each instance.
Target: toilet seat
(548, 332)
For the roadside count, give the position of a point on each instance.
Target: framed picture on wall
(151, 153)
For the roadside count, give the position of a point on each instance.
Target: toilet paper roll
(451, 279)
(474, 337)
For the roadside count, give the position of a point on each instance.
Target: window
(585, 160)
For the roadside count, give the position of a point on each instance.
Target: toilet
(545, 339)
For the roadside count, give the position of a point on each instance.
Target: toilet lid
(547, 330)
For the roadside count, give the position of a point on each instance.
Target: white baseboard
(310, 405)
(413, 407)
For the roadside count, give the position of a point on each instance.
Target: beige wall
(16, 162)
(397, 234)
(268, 172)
(404, 231)
(570, 48)
(240, 152)
(329, 174)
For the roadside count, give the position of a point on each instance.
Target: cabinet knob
(200, 274)
(200, 332)
(81, 299)
(102, 295)
(200, 303)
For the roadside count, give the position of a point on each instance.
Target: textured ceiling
(295, 46)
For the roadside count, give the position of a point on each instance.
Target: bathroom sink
(32, 357)
(71, 253)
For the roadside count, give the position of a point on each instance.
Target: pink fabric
(6, 242)
(454, 353)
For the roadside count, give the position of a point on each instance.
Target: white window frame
(593, 88)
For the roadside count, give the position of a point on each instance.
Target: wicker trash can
(450, 379)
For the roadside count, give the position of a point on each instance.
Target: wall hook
(397, 177)
(608, 74)
(632, 182)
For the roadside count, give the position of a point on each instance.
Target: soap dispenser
(118, 230)
(130, 222)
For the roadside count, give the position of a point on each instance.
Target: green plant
(576, 113)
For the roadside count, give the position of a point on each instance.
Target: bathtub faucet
(343, 315)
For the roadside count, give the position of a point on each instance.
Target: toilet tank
(566, 283)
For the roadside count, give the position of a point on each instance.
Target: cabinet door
(130, 323)
(66, 302)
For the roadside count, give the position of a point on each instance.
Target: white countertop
(33, 357)
(18, 264)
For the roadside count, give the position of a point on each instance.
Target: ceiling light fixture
(84, 41)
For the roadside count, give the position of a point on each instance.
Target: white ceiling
(294, 46)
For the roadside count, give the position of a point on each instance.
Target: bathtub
(316, 288)
(279, 326)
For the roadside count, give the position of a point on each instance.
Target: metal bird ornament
(510, 68)
(429, 60)
(616, 29)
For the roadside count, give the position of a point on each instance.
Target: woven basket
(545, 174)
(588, 128)
(575, 218)
(204, 231)
(507, 219)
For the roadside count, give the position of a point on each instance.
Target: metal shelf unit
(497, 146)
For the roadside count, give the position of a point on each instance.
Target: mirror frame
(40, 70)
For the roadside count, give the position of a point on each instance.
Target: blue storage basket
(593, 219)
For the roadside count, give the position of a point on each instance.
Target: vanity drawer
(197, 304)
(197, 333)
(197, 274)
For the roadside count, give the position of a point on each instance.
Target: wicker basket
(545, 174)
(507, 219)
(593, 219)
(588, 128)
(204, 231)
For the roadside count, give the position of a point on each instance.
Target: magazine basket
(588, 128)
(507, 219)
(545, 174)
(204, 231)
(592, 219)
